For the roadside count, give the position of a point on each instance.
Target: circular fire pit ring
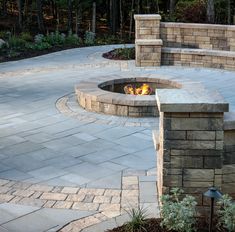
(108, 96)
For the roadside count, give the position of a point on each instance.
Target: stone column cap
(147, 16)
(190, 100)
(149, 42)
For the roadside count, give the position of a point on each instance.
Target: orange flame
(142, 90)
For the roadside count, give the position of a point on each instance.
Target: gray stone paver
(56, 143)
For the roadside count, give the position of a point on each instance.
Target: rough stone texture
(185, 44)
(190, 153)
(228, 180)
(148, 43)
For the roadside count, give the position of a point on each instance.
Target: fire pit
(133, 97)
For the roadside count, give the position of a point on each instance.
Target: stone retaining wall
(205, 36)
(197, 45)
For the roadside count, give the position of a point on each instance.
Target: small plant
(72, 39)
(178, 215)
(89, 38)
(226, 213)
(16, 43)
(38, 38)
(138, 220)
(125, 53)
(26, 36)
(55, 38)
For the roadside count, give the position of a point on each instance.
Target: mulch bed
(153, 225)
(34, 53)
(115, 55)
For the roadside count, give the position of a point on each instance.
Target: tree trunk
(131, 18)
(210, 11)
(20, 9)
(93, 17)
(4, 7)
(172, 8)
(113, 16)
(229, 12)
(121, 19)
(40, 16)
(78, 16)
(70, 15)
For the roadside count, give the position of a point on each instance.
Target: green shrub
(125, 53)
(178, 215)
(138, 220)
(227, 213)
(55, 38)
(26, 36)
(72, 39)
(38, 46)
(109, 39)
(89, 38)
(16, 42)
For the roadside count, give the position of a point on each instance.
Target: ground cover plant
(178, 214)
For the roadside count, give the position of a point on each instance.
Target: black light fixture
(213, 194)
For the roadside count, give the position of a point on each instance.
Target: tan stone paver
(70, 190)
(49, 204)
(54, 196)
(63, 205)
(102, 199)
(41, 188)
(5, 197)
(75, 197)
(111, 192)
(85, 206)
(88, 191)
(23, 193)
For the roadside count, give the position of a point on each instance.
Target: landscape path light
(213, 194)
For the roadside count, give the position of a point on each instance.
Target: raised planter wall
(196, 45)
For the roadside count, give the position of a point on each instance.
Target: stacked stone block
(204, 36)
(147, 43)
(198, 58)
(191, 144)
(228, 181)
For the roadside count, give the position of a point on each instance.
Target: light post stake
(213, 194)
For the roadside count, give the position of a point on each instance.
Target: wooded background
(106, 16)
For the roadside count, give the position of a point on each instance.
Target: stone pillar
(191, 141)
(147, 40)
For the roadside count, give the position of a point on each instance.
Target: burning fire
(142, 90)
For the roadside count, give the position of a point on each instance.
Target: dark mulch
(119, 54)
(153, 225)
(33, 53)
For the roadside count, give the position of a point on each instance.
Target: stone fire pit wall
(191, 141)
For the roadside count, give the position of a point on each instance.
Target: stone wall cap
(148, 42)
(198, 26)
(198, 51)
(229, 121)
(147, 16)
(190, 100)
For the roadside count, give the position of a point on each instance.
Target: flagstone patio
(60, 163)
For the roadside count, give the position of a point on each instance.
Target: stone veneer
(194, 151)
(186, 44)
(148, 42)
(228, 170)
(92, 97)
